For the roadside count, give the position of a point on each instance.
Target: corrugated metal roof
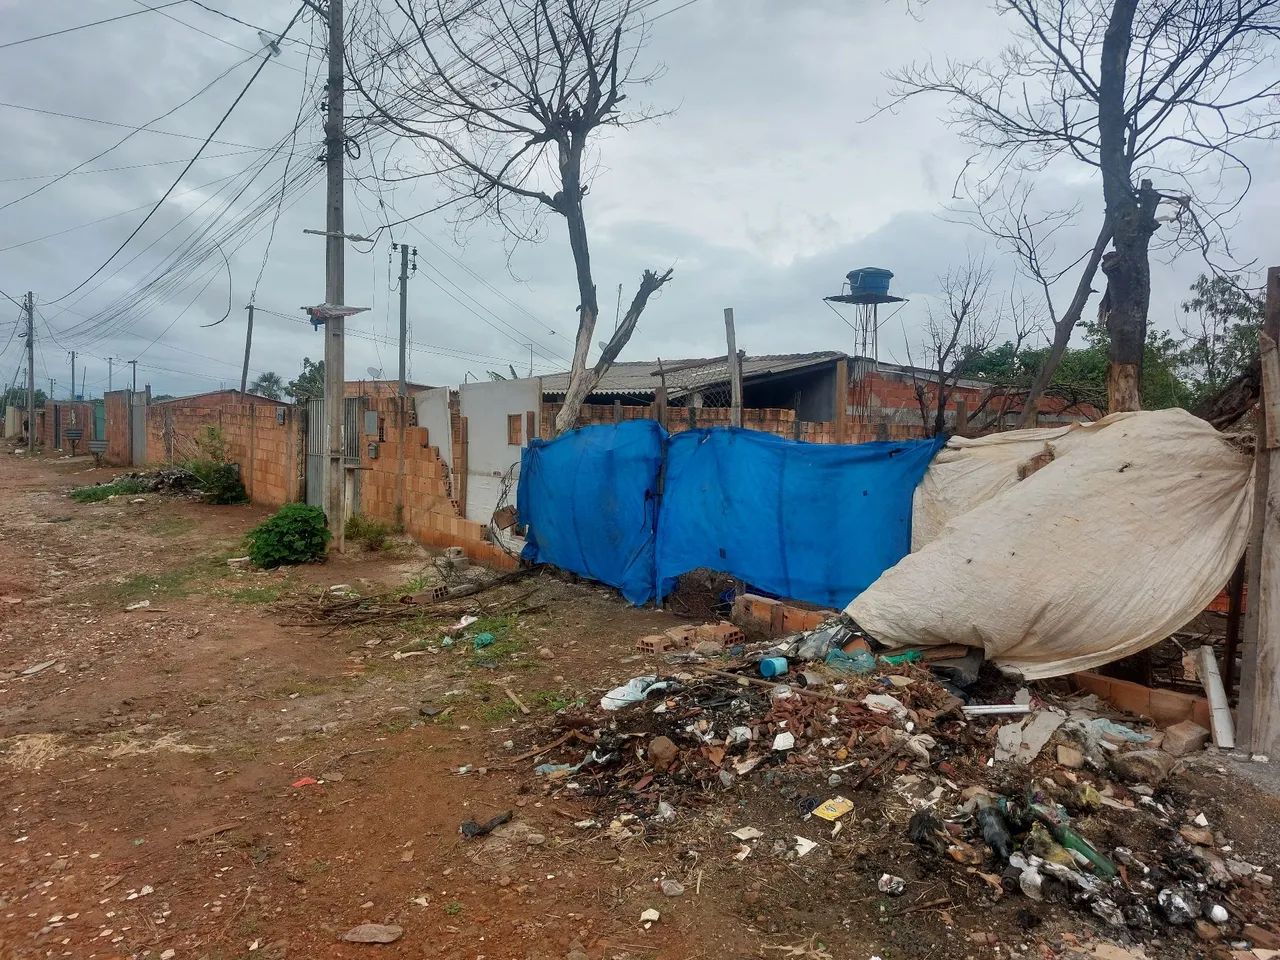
(686, 376)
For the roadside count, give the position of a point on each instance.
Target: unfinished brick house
(796, 396)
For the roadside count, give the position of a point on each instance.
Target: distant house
(795, 395)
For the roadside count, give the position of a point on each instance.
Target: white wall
(489, 456)
(433, 413)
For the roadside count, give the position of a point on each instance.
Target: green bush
(101, 491)
(372, 533)
(296, 533)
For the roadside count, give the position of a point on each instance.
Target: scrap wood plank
(1259, 713)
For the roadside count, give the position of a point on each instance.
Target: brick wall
(117, 417)
(263, 437)
(429, 514)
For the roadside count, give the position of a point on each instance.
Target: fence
(810, 521)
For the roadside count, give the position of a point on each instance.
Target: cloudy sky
(765, 186)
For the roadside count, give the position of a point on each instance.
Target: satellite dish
(375, 372)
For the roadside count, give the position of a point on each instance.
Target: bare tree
(957, 330)
(1006, 214)
(504, 99)
(1140, 91)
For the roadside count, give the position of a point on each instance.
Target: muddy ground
(148, 774)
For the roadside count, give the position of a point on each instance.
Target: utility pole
(31, 373)
(84, 376)
(110, 362)
(72, 395)
(134, 364)
(402, 399)
(51, 383)
(334, 278)
(531, 359)
(248, 342)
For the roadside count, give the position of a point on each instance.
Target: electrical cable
(125, 126)
(175, 183)
(214, 36)
(95, 23)
(128, 136)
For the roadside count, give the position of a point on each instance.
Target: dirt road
(147, 757)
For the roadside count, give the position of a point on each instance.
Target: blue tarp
(589, 499)
(815, 522)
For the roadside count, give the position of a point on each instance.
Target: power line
(214, 36)
(172, 186)
(131, 166)
(95, 23)
(128, 136)
(124, 126)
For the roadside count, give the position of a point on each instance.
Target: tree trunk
(1131, 215)
(1128, 297)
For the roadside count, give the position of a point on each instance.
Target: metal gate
(315, 453)
(138, 428)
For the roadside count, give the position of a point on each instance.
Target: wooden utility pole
(334, 279)
(248, 343)
(735, 371)
(402, 396)
(31, 373)
(1258, 714)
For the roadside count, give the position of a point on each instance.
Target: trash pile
(817, 736)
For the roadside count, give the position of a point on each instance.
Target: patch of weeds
(397, 722)
(506, 641)
(99, 492)
(499, 711)
(453, 908)
(264, 594)
(172, 584)
(554, 700)
(372, 534)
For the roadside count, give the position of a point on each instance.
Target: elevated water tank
(869, 281)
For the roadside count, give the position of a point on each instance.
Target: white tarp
(1124, 536)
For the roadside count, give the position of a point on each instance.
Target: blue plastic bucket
(873, 281)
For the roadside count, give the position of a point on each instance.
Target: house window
(514, 429)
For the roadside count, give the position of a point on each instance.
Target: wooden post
(1235, 607)
(962, 417)
(530, 427)
(1259, 711)
(841, 411)
(617, 410)
(735, 371)
(461, 468)
(660, 398)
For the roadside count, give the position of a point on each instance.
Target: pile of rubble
(817, 736)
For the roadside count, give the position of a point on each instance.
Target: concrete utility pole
(72, 395)
(248, 342)
(334, 278)
(404, 307)
(31, 373)
(110, 368)
(404, 390)
(134, 364)
(51, 383)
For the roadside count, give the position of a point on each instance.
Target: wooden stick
(511, 695)
(211, 832)
(921, 906)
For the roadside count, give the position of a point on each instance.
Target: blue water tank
(869, 280)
